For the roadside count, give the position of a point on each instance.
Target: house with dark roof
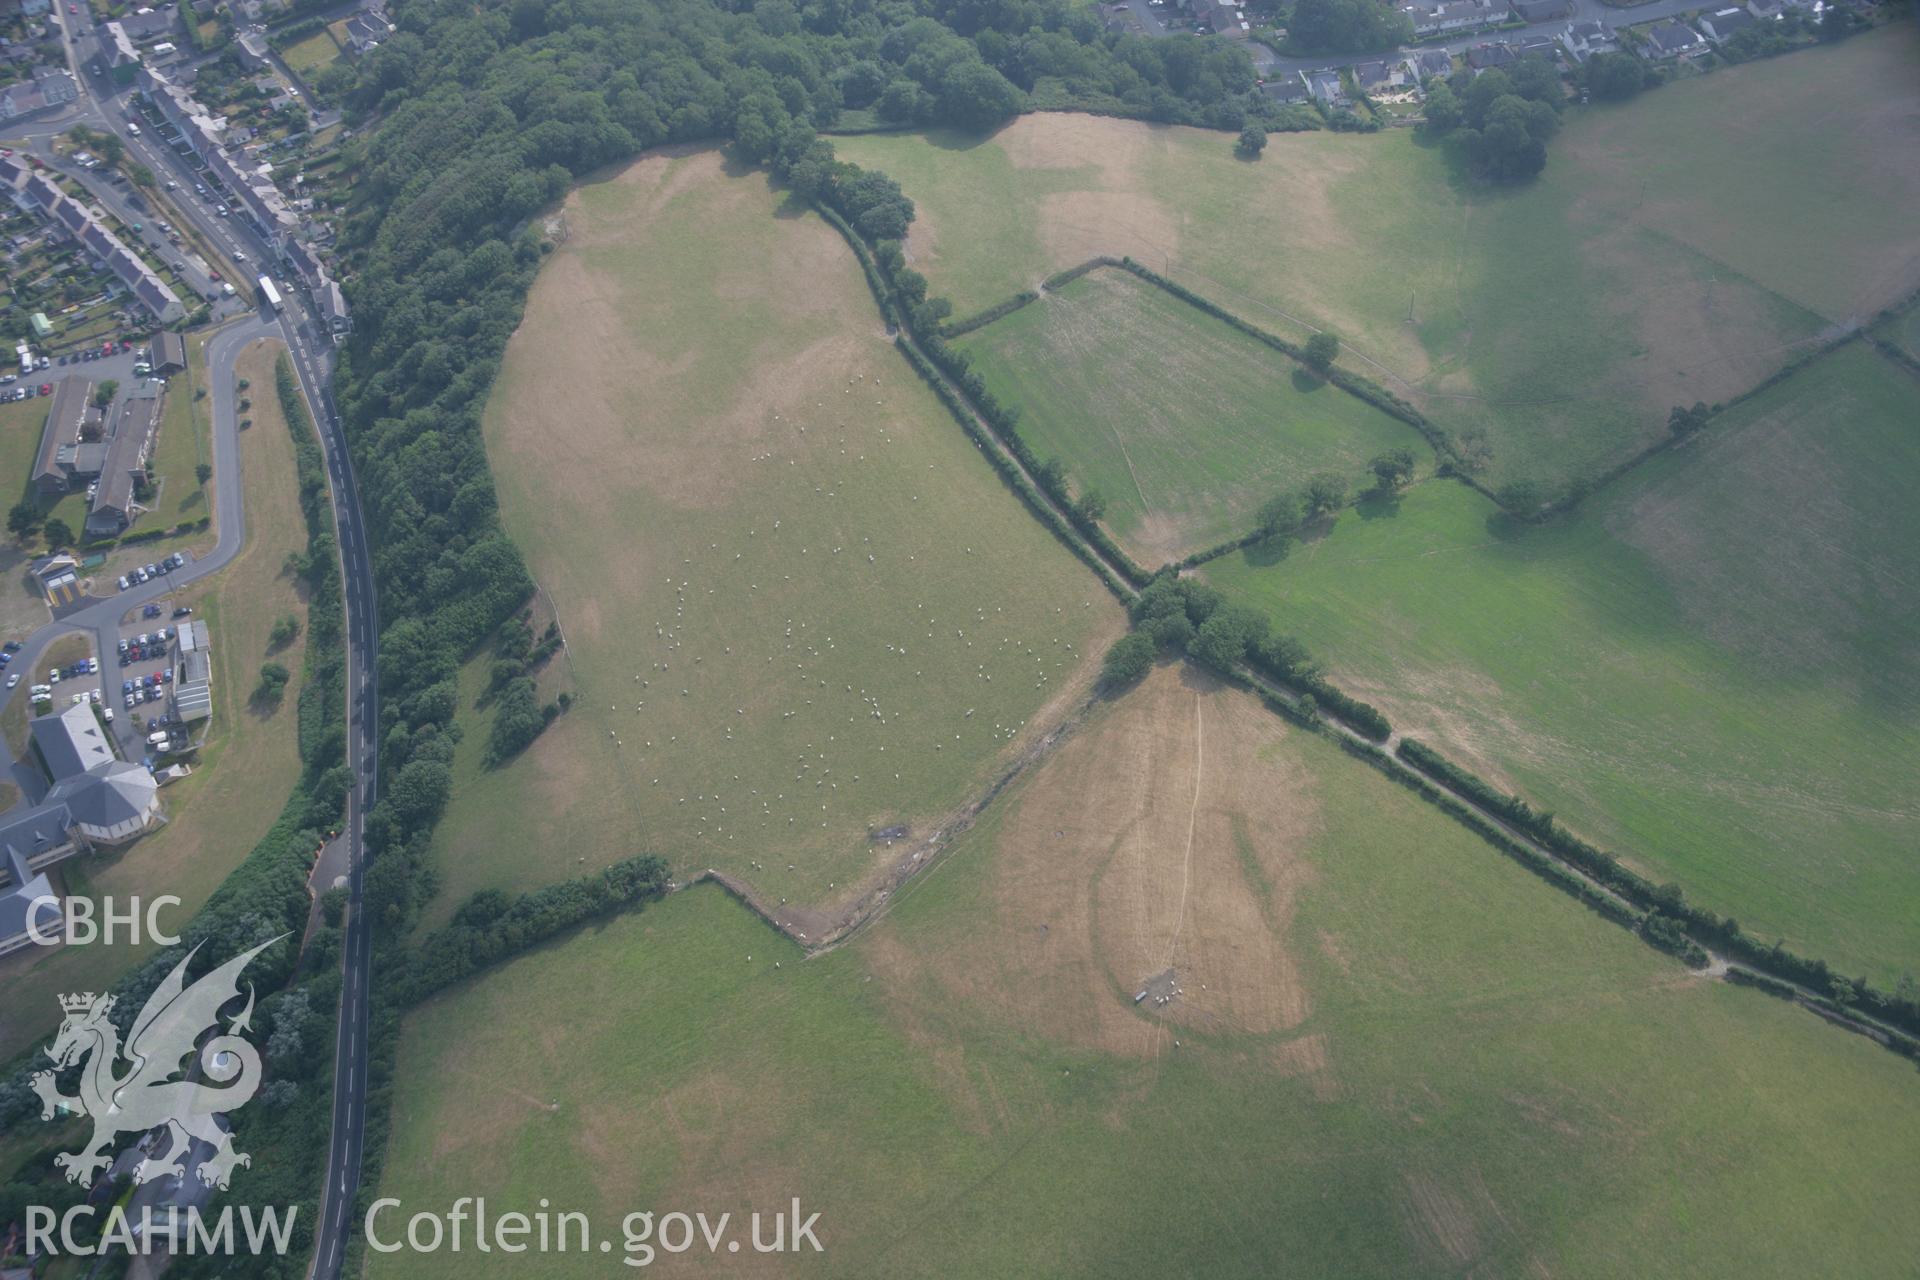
(1485, 57)
(1584, 39)
(135, 416)
(1673, 40)
(26, 899)
(1455, 15)
(105, 800)
(333, 307)
(1531, 11)
(1723, 24)
(68, 456)
(1325, 87)
(366, 29)
(1285, 89)
(167, 354)
(1380, 75)
(1429, 64)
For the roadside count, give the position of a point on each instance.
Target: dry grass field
(1393, 1052)
(247, 769)
(1676, 249)
(798, 607)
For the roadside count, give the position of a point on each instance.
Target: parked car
(183, 612)
(133, 700)
(53, 675)
(123, 582)
(13, 680)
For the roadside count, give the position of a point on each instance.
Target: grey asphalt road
(312, 356)
(1270, 63)
(102, 616)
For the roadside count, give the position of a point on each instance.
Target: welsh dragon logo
(146, 1097)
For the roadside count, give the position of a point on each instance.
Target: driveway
(101, 616)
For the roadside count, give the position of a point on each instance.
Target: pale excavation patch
(1120, 859)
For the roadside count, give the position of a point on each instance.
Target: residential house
(333, 308)
(146, 22)
(1222, 17)
(38, 192)
(1534, 11)
(1380, 75)
(1485, 57)
(1325, 87)
(136, 414)
(366, 29)
(1673, 40)
(57, 86)
(1721, 25)
(1584, 39)
(1455, 15)
(69, 453)
(253, 49)
(123, 60)
(1429, 64)
(1536, 46)
(1285, 90)
(167, 354)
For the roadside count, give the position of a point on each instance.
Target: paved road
(312, 355)
(1271, 64)
(102, 617)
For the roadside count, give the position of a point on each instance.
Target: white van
(158, 738)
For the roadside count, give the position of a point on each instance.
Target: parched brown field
(1394, 1053)
(1160, 838)
(799, 608)
(245, 773)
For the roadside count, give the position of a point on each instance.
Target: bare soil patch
(1120, 860)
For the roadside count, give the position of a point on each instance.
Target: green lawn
(1489, 1080)
(797, 604)
(1714, 666)
(1183, 424)
(1662, 258)
(313, 55)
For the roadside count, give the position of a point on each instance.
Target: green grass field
(1662, 258)
(797, 604)
(1547, 1096)
(313, 55)
(1182, 423)
(1714, 666)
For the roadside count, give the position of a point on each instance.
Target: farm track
(1718, 966)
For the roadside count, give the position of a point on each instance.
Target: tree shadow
(1506, 527)
(1377, 504)
(1306, 380)
(1266, 552)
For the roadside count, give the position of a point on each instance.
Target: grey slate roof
(108, 796)
(72, 742)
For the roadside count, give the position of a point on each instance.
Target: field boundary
(1668, 927)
